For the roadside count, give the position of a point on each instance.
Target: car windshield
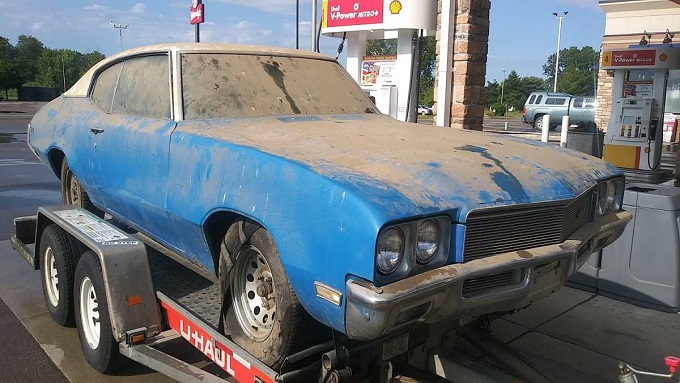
(218, 85)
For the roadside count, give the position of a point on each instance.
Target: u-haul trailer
(131, 297)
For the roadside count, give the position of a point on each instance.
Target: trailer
(132, 298)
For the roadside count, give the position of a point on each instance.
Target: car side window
(555, 101)
(105, 86)
(590, 103)
(531, 99)
(144, 88)
(578, 102)
(538, 100)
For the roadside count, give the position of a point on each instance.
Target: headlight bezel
(410, 265)
(608, 195)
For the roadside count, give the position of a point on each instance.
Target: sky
(523, 33)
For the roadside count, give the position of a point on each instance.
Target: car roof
(81, 87)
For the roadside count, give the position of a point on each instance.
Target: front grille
(495, 231)
(479, 285)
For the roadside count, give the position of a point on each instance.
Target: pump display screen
(629, 120)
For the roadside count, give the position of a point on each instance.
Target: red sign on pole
(343, 13)
(645, 57)
(196, 12)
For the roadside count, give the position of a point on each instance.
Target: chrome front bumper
(438, 295)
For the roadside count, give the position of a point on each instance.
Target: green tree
(381, 47)
(427, 54)
(27, 54)
(7, 67)
(58, 68)
(492, 93)
(88, 60)
(576, 70)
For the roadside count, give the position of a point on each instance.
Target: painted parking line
(18, 162)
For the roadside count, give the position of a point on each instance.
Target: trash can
(586, 142)
(643, 266)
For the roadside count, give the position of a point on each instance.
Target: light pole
(559, 36)
(120, 28)
(503, 85)
(63, 70)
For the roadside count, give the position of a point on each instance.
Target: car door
(576, 110)
(131, 144)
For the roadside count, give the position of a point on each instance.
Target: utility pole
(120, 28)
(503, 85)
(314, 11)
(559, 36)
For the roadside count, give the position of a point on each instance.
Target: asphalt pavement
(25, 183)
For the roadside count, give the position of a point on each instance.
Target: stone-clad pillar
(470, 48)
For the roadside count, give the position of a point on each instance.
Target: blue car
(273, 172)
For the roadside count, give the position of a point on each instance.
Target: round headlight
(390, 250)
(601, 207)
(428, 241)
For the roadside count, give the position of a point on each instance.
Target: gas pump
(634, 135)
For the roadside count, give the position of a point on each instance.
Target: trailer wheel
(262, 313)
(73, 193)
(92, 316)
(59, 254)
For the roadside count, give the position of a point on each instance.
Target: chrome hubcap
(253, 293)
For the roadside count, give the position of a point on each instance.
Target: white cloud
(95, 7)
(37, 26)
(139, 8)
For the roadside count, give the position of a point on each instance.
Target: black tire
(59, 253)
(538, 122)
(268, 339)
(73, 193)
(92, 307)
(553, 127)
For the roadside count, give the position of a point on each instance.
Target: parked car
(272, 170)
(581, 110)
(424, 110)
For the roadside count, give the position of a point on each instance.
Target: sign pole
(196, 17)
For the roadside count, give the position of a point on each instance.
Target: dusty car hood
(435, 168)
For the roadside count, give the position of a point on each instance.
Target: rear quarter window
(532, 99)
(539, 98)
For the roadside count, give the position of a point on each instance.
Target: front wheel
(262, 313)
(92, 316)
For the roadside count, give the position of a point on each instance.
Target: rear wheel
(262, 313)
(92, 316)
(73, 192)
(59, 254)
(538, 122)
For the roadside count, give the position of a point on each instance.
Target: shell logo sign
(395, 7)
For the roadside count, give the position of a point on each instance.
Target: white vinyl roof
(81, 87)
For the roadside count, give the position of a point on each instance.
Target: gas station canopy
(340, 16)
